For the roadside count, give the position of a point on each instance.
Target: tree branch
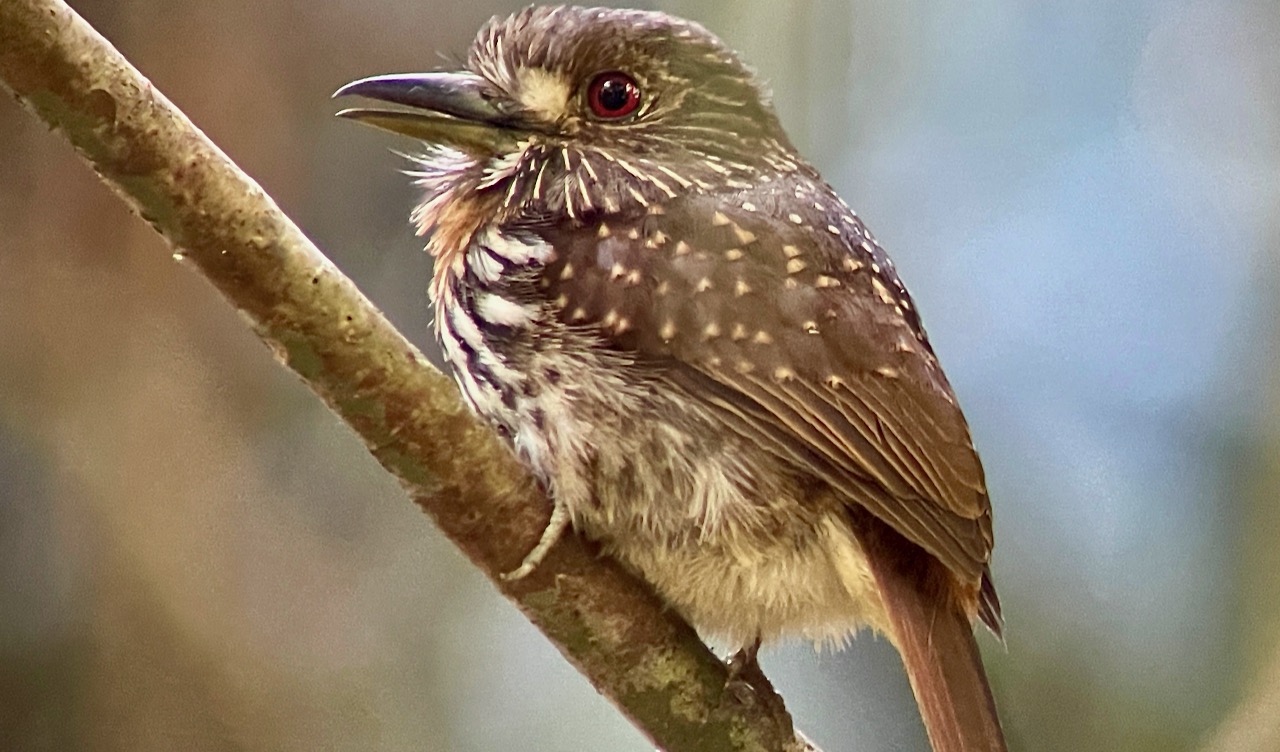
(611, 626)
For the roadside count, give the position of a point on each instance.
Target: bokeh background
(1084, 197)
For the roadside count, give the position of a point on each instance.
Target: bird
(696, 346)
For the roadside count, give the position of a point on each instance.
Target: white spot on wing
(655, 240)
(886, 297)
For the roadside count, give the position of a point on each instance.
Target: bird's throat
(453, 210)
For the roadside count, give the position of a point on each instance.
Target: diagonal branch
(643, 658)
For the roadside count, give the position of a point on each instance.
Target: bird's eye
(613, 95)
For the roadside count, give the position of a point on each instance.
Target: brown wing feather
(859, 467)
(804, 340)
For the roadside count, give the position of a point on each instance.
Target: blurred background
(1083, 196)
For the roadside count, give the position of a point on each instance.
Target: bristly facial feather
(705, 119)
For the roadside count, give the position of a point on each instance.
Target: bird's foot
(747, 683)
(554, 529)
(746, 679)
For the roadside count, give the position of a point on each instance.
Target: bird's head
(579, 111)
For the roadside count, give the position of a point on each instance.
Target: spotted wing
(804, 341)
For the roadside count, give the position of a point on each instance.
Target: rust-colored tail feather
(934, 634)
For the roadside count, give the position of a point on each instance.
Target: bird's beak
(443, 108)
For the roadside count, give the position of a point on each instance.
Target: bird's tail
(934, 634)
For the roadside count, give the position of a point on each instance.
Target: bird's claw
(747, 682)
(550, 534)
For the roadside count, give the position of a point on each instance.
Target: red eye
(613, 95)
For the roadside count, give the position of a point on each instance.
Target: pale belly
(734, 594)
(741, 546)
(743, 549)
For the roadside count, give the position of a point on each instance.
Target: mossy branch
(608, 624)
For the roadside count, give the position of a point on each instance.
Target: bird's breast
(487, 317)
(724, 532)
